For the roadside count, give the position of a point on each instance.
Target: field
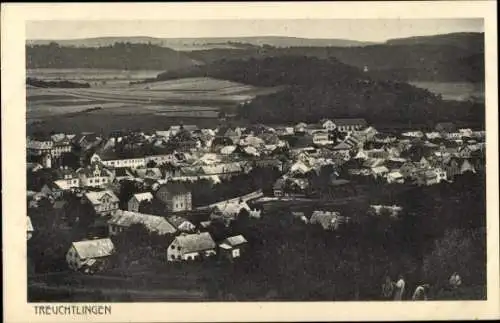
(454, 91)
(123, 105)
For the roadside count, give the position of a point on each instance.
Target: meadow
(125, 104)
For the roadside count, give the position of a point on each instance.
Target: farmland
(124, 105)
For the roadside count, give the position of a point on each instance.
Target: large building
(176, 196)
(191, 247)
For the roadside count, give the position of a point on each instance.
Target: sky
(376, 30)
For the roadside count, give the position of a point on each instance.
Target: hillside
(318, 88)
(442, 58)
(123, 56)
(204, 43)
(460, 40)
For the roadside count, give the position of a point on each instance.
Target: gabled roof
(29, 224)
(177, 221)
(152, 223)
(235, 240)
(147, 196)
(96, 197)
(196, 242)
(94, 248)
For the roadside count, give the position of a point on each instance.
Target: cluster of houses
(163, 162)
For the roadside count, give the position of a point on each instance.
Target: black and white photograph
(255, 160)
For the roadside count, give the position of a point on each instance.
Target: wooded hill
(317, 88)
(123, 56)
(457, 57)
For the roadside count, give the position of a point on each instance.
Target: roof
(175, 188)
(342, 146)
(235, 240)
(380, 169)
(35, 144)
(29, 224)
(152, 223)
(176, 220)
(349, 122)
(94, 248)
(395, 175)
(96, 198)
(196, 242)
(232, 208)
(147, 196)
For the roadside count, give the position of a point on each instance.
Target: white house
(191, 247)
(94, 175)
(103, 202)
(136, 199)
(395, 177)
(87, 255)
(114, 161)
(232, 247)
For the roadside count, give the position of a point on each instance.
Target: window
(173, 257)
(172, 247)
(179, 248)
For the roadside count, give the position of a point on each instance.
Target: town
(188, 194)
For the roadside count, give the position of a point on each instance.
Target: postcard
(181, 162)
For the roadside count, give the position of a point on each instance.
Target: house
(328, 125)
(433, 135)
(279, 187)
(379, 171)
(346, 125)
(321, 138)
(90, 255)
(413, 134)
(300, 127)
(122, 220)
(52, 191)
(103, 202)
(395, 177)
(427, 177)
(191, 247)
(227, 212)
(328, 220)
(66, 179)
(467, 167)
(409, 169)
(94, 175)
(136, 199)
(29, 228)
(285, 131)
(181, 224)
(233, 247)
(453, 135)
(112, 159)
(176, 196)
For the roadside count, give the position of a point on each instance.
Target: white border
(14, 17)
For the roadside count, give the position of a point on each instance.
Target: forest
(328, 88)
(122, 56)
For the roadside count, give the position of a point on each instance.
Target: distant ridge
(463, 40)
(206, 43)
